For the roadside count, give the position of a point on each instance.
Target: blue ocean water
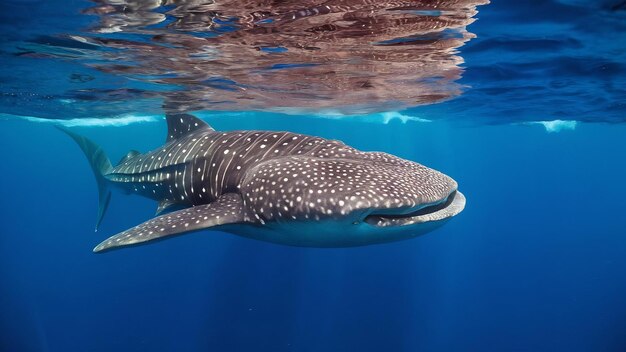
(534, 136)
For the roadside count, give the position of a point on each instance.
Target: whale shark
(279, 187)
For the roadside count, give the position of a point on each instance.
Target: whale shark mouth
(445, 209)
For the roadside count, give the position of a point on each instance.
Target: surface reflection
(343, 56)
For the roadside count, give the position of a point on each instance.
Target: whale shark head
(356, 199)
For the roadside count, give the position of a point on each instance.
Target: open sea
(523, 103)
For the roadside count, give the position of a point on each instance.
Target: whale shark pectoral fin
(227, 209)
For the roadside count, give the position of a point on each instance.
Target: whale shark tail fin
(100, 165)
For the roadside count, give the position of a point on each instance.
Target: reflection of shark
(350, 56)
(279, 187)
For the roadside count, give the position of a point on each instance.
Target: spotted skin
(199, 167)
(280, 181)
(303, 187)
(227, 209)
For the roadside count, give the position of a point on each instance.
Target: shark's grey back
(199, 165)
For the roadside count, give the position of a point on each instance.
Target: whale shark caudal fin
(227, 209)
(100, 165)
(182, 124)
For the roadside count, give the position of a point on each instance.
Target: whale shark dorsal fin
(131, 154)
(181, 124)
(227, 209)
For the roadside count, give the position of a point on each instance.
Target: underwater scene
(312, 175)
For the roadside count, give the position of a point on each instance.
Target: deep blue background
(535, 263)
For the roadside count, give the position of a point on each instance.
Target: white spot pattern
(280, 175)
(227, 209)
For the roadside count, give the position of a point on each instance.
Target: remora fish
(279, 187)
